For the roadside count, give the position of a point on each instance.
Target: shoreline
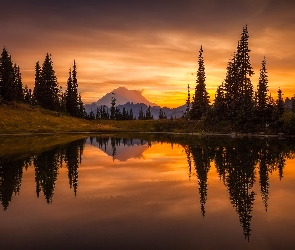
(210, 134)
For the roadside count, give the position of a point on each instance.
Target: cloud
(151, 45)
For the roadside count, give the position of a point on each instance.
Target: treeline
(46, 93)
(236, 103)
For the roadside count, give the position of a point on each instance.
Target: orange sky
(150, 45)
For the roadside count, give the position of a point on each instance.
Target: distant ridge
(133, 99)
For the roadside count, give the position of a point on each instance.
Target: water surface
(147, 193)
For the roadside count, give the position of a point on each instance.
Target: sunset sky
(149, 45)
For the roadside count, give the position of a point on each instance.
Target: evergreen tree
(113, 107)
(81, 109)
(161, 114)
(238, 88)
(280, 107)
(262, 88)
(72, 100)
(263, 102)
(18, 94)
(118, 115)
(200, 103)
(37, 92)
(72, 105)
(8, 82)
(188, 103)
(148, 114)
(219, 106)
(141, 114)
(28, 98)
(91, 115)
(131, 115)
(48, 96)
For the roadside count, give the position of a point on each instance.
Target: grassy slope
(21, 118)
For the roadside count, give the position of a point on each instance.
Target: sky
(151, 45)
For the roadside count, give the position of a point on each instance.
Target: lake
(146, 192)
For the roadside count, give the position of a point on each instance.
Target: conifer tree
(72, 105)
(8, 73)
(148, 114)
(161, 114)
(48, 96)
(131, 114)
(280, 108)
(28, 98)
(141, 114)
(188, 103)
(200, 103)
(219, 106)
(18, 94)
(113, 107)
(37, 93)
(81, 109)
(263, 102)
(238, 89)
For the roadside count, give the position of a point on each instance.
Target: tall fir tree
(72, 104)
(280, 105)
(10, 79)
(18, 84)
(113, 107)
(47, 89)
(188, 103)
(263, 101)
(37, 93)
(200, 103)
(238, 89)
(219, 106)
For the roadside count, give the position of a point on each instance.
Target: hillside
(20, 118)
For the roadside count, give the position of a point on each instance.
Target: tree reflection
(46, 171)
(46, 165)
(201, 158)
(237, 163)
(73, 158)
(10, 179)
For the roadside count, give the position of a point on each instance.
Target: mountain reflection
(239, 163)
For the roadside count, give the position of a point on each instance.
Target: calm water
(148, 193)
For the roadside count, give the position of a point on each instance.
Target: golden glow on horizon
(162, 67)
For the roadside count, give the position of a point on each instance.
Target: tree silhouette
(71, 95)
(200, 103)
(46, 172)
(11, 88)
(46, 91)
(73, 158)
(11, 172)
(201, 158)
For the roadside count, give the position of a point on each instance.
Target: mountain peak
(124, 95)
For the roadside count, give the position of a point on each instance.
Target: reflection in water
(237, 162)
(46, 166)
